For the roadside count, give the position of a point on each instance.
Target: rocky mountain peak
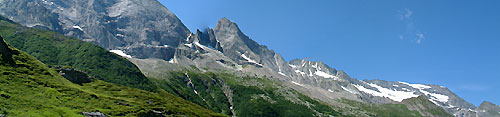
(486, 103)
(226, 28)
(141, 28)
(224, 22)
(488, 109)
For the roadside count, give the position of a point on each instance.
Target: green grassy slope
(55, 49)
(425, 107)
(250, 96)
(412, 107)
(380, 110)
(29, 88)
(209, 90)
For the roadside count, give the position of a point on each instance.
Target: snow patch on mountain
(250, 60)
(297, 83)
(384, 92)
(279, 67)
(417, 86)
(348, 90)
(121, 53)
(78, 27)
(189, 37)
(325, 75)
(190, 83)
(172, 61)
(189, 45)
(202, 46)
(120, 35)
(300, 72)
(434, 97)
(281, 73)
(310, 73)
(329, 90)
(451, 106)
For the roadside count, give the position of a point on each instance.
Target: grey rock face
(488, 109)
(208, 39)
(320, 75)
(203, 51)
(141, 28)
(465, 113)
(240, 47)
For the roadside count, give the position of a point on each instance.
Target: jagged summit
(225, 24)
(225, 20)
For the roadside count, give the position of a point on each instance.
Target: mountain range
(220, 69)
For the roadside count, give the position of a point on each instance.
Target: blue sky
(454, 43)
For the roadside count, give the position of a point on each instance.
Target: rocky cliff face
(141, 28)
(488, 109)
(243, 50)
(145, 29)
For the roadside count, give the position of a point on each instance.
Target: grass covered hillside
(412, 107)
(29, 88)
(59, 50)
(425, 107)
(242, 96)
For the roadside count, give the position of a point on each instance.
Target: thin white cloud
(411, 31)
(420, 37)
(406, 14)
